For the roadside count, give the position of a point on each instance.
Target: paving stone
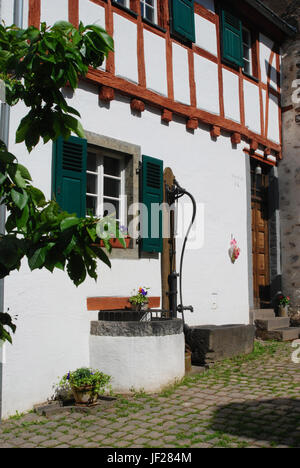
(38, 439)
(66, 438)
(78, 442)
(50, 443)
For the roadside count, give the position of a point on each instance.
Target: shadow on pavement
(275, 421)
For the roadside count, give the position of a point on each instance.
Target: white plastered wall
(181, 74)
(53, 323)
(206, 35)
(207, 84)
(54, 10)
(273, 121)
(91, 13)
(252, 106)
(155, 62)
(125, 37)
(231, 95)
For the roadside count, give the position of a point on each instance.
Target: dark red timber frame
(193, 115)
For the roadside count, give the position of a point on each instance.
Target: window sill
(251, 77)
(123, 8)
(114, 303)
(116, 244)
(154, 25)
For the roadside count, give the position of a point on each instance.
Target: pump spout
(182, 308)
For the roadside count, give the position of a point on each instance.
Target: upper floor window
(149, 10)
(237, 45)
(124, 3)
(247, 52)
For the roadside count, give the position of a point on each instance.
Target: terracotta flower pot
(85, 395)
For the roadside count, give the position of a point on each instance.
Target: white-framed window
(149, 10)
(106, 184)
(247, 52)
(124, 3)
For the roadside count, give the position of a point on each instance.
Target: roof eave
(285, 27)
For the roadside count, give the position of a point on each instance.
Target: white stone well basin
(138, 355)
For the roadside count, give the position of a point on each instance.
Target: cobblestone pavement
(250, 401)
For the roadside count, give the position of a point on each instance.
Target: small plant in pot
(140, 300)
(284, 303)
(86, 385)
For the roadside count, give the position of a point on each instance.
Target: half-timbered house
(194, 86)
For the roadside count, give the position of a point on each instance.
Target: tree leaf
(63, 25)
(37, 260)
(37, 196)
(2, 178)
(6, 157)
(68, 223)
(24, 172)
(19, 197)
(18, 179)
(76, 269)
(23, 129)
(22, 220)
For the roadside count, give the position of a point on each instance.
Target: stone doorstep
(272, 324)
(196, 370)
(281, 334)
(263, 314)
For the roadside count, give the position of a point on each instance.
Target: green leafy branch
(35, 65)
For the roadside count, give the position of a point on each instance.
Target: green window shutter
(183, 19)
(152, 197)
(232, 36)
(69, 174)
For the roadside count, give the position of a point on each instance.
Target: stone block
(211, 343)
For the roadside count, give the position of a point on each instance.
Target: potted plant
(284, 302)
(86, 385)
(140, 300)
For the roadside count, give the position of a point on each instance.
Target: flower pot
(85, 396)
(283, 311)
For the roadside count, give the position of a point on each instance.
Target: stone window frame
(132, 154)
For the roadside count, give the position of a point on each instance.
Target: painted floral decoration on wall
(234, 250)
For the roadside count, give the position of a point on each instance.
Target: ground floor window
(106, 193)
